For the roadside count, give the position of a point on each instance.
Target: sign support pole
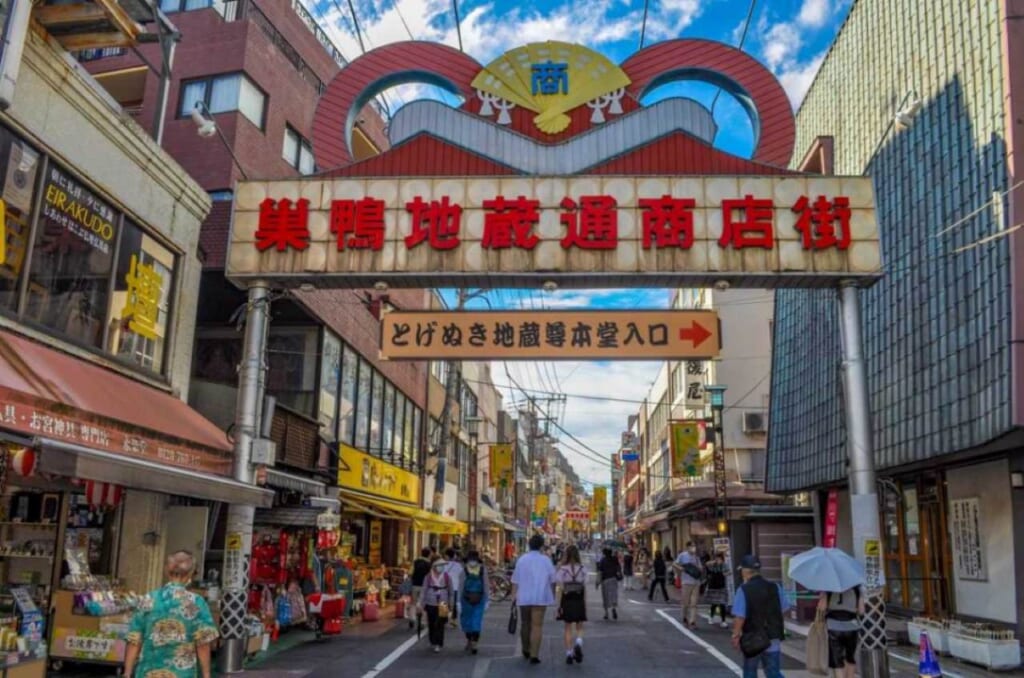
(874, 661)
(238, 539)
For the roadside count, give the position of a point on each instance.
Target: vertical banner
(600, 501)
(501, 465)
(686, 440)
(376, 530)
(694, 385)
(831, 519)
(540, 505)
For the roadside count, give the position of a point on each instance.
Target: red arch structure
(395, 64)
(734, 71)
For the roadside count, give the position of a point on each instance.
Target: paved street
(643, 642)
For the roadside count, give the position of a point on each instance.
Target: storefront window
(401, 411)
(19, 165)
(377, 415)
(347, 409)
(141, 303)
(330, 377)
(292, 360)
(387, 443)
(363, 405)
(72, 259)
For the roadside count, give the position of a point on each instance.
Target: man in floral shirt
(172, 628)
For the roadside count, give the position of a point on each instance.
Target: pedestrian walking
(841, 619)
(533, 590)
(627, 569)
(690, 573)
(474, 599)
(642, 567)
(572, 606)
(420, 570)
(609, 575)
(717, 595)
(436, 599)
(660, 569)
(172, 629)
(455, 572)
(758, 625)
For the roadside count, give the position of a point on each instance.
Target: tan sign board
(579, 231)
(550, 335)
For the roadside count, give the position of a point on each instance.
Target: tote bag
(817, 646)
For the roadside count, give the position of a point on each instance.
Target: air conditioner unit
(755, 422)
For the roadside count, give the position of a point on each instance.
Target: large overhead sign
(549, 335)
(592, 231)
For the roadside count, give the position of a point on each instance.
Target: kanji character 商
(142, 302)
(282, 226)
(436, 221)
(667, 222)
(359, 224)
(509, 223)
(595, 226)
(747, 222)
(548, 77)
(824, 223)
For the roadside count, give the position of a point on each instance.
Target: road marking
(710, 649)
(391, 658)
(481, 667)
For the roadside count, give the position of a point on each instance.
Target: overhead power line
(743, 39)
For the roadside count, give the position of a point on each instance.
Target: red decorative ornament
(23, 461)
(103, 495)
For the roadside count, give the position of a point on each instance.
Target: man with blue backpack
(473, 599)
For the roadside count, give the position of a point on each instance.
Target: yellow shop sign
(359, 471)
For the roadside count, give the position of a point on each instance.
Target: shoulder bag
(513, 619)
(753, 643)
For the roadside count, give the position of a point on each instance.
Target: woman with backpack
(609, 572)
(572, 607)
(473, 599)
(717, 595)
(437, 598)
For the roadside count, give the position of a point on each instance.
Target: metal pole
(238, 537)
(874, 661)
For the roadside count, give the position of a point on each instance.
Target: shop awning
(425, 521)
(78, 461)
(45, 392)
(296, 483)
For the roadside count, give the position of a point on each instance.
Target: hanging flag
(502, 474)
(686, 441)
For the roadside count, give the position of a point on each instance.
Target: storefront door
(916, 552)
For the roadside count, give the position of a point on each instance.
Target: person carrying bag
(817, 645)
(436, 600)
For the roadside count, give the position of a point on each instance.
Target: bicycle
(499, 586)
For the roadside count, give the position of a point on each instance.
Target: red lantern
(103, 495)
(23, 461)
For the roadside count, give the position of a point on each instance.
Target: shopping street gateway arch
(553, 172)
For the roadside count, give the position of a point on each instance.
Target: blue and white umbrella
(822, 569)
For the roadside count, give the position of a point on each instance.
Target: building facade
(942, 327)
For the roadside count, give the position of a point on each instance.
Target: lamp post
(206, 127)
(472, 425)
(716, 394)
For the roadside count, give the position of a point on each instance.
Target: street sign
(549, 335)
(631, 456)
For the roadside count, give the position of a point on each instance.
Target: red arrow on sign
(697, 333)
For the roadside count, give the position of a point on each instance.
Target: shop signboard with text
(370, 475)
(549, 335)
(592, 231)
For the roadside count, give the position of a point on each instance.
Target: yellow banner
(600, 502)
(685, 437)
(359, 471)
(502, 474)
(540, 504)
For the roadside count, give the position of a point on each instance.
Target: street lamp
(716, 396)
(206, 127)
(472, 426)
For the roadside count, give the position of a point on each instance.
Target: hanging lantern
(103, 495)
(23, 461)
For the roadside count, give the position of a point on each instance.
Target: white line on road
(391, 658)
(713, 651)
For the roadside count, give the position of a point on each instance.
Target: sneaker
(568, 659)
(724, 625)
(606, 616)
(437, 648)
(615, 613)
(534, 660)
(577, 653)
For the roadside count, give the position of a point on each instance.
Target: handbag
(442, 610)
(753, 643)
(513, 619)
(817, 646)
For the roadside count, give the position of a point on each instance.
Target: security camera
(550, 286)
(722, 285)
(380, 286)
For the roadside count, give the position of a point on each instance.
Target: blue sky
(790, 37)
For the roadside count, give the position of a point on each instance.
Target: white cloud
(797, 78)
(669, 18)
(781, 44)
(814, 13)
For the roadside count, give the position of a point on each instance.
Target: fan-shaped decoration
(23, 461)
(551, 79)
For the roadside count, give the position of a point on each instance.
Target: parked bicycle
(500, 585)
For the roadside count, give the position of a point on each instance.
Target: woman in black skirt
(572, 608)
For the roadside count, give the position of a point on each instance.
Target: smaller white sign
(694, 384)
(968, 549)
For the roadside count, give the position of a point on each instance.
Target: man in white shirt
(533, 590)
(690, 569)
(456, 573)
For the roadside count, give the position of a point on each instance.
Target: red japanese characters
(590, 222)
